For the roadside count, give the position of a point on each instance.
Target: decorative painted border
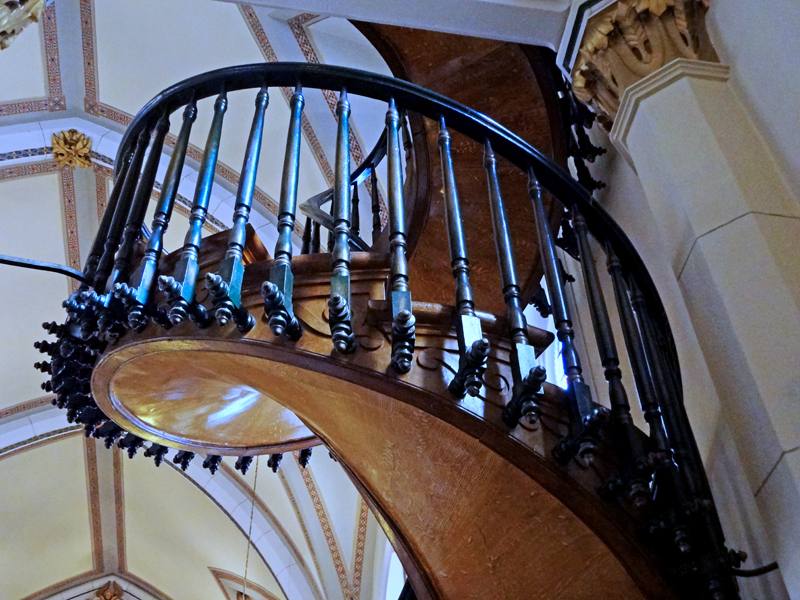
(301, 563)
(67, 199)
(26, 406)
(298, 515)
(93, 489)
(119, 514)
(66, 584)
(260, 36)
(327, 530)
(94, 106)
(55, 95)
(298, 26)
(38, 441)
(361, 541)
(220, 576)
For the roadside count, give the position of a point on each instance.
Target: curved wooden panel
(477, 510)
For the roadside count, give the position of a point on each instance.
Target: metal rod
(141, 199)
(339, 309)
(473, 347)
(225, 287)
(277, 291)
(355, 218)
(403, 322)
(305, 248)
(179, 288)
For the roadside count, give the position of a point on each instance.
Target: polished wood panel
(476, 510)
(498, 79)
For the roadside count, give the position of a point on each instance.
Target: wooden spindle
(473, 347)
(179, 288)
(138, 296)
(528, 376)
(339, 309)
(277, 291)
(225, 287)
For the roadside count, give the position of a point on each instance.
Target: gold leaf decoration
(72, 148)
(110, 591)
(15, 15)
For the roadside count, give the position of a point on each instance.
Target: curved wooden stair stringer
(475, 511)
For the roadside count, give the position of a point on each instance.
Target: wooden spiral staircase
(489, 482)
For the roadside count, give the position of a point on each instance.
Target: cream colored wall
(53, 542)
(174, 533)
(31, 296)
(22, 71)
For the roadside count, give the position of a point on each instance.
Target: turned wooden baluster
(634, 473)
(90, 269)
(277, 292)
(121, 211)
(376, 205)
(225, 286)
(339, 309)
(139, 295)
(528, 376)
(403, 330)
(179, 288)
(473, 347)
(141, 199)
(585, 417)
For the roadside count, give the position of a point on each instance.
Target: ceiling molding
(93, 106)
(222, 576)
(26, 406)
(40, 440)
(361, 541)
(93, 493)
(298, 26)
(299, 516)
(327, 529)
(119, 511)
(260, 36)
(69, 210)
(54, 101)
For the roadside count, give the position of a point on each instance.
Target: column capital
(627, 40)
(678, 69)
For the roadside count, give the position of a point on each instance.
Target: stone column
(732, 231)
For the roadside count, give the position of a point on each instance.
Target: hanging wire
(250, 531)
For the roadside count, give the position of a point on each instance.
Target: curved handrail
(465, 120)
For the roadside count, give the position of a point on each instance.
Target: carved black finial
(274, 462)
(183, 458)
(340, 324)
(157, 452)
(403, 340)
(212, 463)
(131, 443)
(469, 378)
(280, 321)
(305, 457)
(243, 463)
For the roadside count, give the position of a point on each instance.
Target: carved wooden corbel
(632, 39)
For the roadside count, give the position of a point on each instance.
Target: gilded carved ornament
(110, 591)
(72, 148)
(632, 39)
(15, 15)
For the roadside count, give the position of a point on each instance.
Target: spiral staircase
(405, 353)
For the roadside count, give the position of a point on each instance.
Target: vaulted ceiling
(74, 515)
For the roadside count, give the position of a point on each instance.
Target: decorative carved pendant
(72, 148)
(15, 15)
(110, 591)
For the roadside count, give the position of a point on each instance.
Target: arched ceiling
(75, 515)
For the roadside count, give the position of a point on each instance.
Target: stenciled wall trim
(54, 101)
(93, 106)
(220, 576)
(93, 491)
(70, 214)
(298, 26)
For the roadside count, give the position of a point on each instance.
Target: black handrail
(412, 97)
